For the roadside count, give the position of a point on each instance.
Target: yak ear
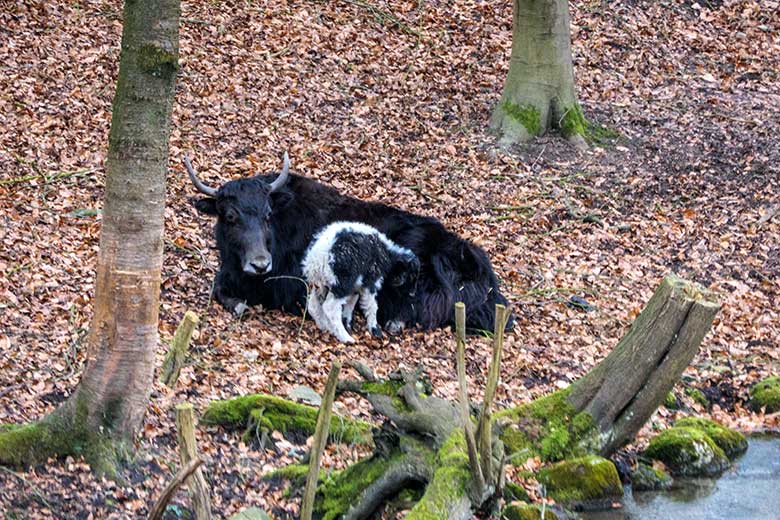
(207, 205)
(281, 199)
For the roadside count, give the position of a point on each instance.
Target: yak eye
(231, 216)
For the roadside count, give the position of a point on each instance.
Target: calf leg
(369, 306)
(349, 308)
(314, 308)
(332, 309)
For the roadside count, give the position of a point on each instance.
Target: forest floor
(391, 103)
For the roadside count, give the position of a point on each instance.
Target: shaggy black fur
(452, 269)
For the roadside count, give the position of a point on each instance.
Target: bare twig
(34, 488)
(173, 485)
(463, 396)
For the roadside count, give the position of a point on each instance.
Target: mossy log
(260, 412)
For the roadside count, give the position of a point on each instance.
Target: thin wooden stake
(188, 450)
(484, 428)
(170, 489)
(320, 437)
(174, 359)
(465, 416)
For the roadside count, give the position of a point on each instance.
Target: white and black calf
(350, 261)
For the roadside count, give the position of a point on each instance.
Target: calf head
(243, 209)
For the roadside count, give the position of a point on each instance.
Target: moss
(295, 474)
(584, 478)
(670, 401)
(522, 511)
(527, 115)
(730, 441)
(647, 478)
(513, 492)
(338, 493)
(60, 434)
(157, 61)
(548, 428)
(766, 394)
(688, 451)
(698, 396)
(389, 388)
(284, 416)
(449, 481)
(573, 122)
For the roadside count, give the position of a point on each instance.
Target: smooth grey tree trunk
(108, 407)
(539, 91)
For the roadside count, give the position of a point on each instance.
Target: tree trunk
(108, 406)
(539, 89)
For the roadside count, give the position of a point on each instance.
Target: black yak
(265, 224)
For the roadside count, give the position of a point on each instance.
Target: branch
(170, 489)
(463, 396)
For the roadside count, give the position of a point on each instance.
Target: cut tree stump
(320, 438)
(176, 355)
(188, 450)
(623, 391)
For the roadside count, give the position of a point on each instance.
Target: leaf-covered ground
(389, 102)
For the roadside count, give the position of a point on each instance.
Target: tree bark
(539, 90)
(108, 406)
(624, 390)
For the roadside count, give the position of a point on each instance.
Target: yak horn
(282, 178)
(211, 192)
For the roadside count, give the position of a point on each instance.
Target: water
(749, 491)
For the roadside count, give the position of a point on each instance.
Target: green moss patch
(338, 493)
(549, 428)
(698, 396)
(449, 480)
(688, 451)
(730, 441)
(527, 115)
(521, 511)
(670, 401)
(647, 478)
(514, 492)
(766, 394)
(157, 61)
(582, 479)
(573, 122)
(277, 414)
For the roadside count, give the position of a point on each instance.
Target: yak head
(243, 209)
(404, 273)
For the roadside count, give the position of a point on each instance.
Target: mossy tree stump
(424, 443)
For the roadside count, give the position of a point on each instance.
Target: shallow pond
(749, 491)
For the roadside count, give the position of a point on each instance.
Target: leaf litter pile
(389, 101)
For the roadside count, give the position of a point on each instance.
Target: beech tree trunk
(539, 90)
(107, 408)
